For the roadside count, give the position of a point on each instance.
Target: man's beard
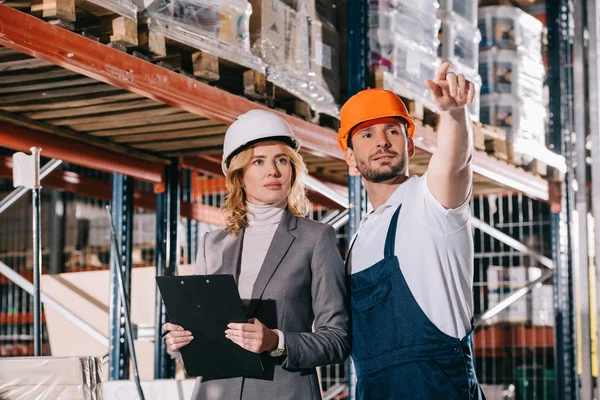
(388, 171)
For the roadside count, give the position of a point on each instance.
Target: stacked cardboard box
(502, 282)
(404, 43)
(460, 43)
(512, 71)
(299, 44)
(226, 21)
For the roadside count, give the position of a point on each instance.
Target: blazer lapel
(232, 254)
(279, 247)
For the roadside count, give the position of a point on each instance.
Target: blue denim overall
(397, 351)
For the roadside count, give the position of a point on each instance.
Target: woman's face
(268, 175)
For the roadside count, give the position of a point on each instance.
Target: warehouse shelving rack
(40, 60)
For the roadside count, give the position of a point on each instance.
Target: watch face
(276, 353)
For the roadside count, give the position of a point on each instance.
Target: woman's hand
(177, 337)
(253, 336)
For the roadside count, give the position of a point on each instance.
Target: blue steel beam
(560, 81)
(191, 225)
(167, 259)
(122, 214)
(358, 79)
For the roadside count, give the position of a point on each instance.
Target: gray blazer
(301, 282)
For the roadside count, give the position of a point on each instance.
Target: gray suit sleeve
(330, 341)
(200, 267)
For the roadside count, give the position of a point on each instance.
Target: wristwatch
(280, 350)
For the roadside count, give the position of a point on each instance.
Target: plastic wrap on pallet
(324, 56)
(521, 119)
(508, 27)
(460, 44)
(428, 7)
(413, 66)
(279, 36)
(508, 71)
(50, 378)
(420, 26)
(406, 65)
(383, 50)
(301, 54)
(125, 8)
(464, 9)
(474, 108)
(225, 22)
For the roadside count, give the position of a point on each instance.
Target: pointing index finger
(441, 72)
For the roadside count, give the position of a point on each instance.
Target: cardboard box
(323, 10)
(511, 278)
(234, 23)
(269, 30)
(297, 48)
(502, 282)
(324, 55)
(543, 305)
(519, 311)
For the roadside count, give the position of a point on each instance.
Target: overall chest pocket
(373, 329)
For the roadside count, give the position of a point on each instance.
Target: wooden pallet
(108, 21)
(417, 108)
(181, 55)
(501, 147)
(513, 3)
(183, 51)
(495, 142)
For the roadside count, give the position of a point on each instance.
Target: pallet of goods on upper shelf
(267, 50)
(113, 22)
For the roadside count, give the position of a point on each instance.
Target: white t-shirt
(434, 247)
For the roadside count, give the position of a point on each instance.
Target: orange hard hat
(371, 105)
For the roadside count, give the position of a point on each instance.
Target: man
(411, 263)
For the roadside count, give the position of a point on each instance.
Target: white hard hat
(253, 127)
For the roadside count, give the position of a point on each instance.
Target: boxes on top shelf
(460, 44)
(428, 7)
(465, 9)
(227, 22)
(324, 56)
(322, 10)
(300, 53)
(543, 305)
(502, 282)
(272, 25)
(511, 277)
(508, 27)
(474, 108)
(508, 71)
(405, 61)
(416, 25)
(521, 119)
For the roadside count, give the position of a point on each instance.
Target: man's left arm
(449, 177)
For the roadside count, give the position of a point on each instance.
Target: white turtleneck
(262, 224)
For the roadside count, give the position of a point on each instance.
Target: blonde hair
(234, 206)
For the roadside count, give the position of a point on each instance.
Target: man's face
(380, 152)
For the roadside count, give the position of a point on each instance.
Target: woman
(288, 268)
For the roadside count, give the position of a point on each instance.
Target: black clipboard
(204, 305)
